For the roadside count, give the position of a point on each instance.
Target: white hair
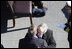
(43, 27)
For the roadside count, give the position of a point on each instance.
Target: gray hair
(32, 31)
(43, 27)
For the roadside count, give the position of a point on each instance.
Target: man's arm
(45, 44)
(52, 42)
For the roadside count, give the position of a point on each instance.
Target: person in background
(68, 9)
(70, 33)
(47, 34)
(38, 9)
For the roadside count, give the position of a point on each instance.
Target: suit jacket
(48, 36)
(32, 43)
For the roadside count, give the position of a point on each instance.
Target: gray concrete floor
(53, 16)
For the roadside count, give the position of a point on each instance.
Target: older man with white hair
(47, 34)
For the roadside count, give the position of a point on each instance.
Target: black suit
(32, 42)
(48, 36)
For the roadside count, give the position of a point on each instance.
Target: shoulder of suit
(49, 31)
(41, 40)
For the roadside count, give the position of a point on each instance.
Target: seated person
(68, 25)
(68, 7)
(38, 9)
(47, 34)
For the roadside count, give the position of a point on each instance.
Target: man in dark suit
(37, 3)
(32, 41)
(68, 24)
(47, 34)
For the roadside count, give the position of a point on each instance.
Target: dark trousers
(70, 38)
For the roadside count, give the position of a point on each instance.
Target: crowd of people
(41, 36)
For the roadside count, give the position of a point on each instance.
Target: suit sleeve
(45, 44)
(20, 44)
(52, 42)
